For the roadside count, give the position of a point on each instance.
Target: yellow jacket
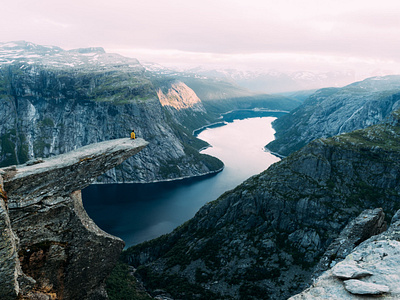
(133, 136)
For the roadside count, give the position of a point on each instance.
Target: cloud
(216, 30)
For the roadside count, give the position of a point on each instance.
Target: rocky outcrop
(266, 236)
(50, 248)
(370, 269)
(334, 111)
(368, 223)
(9, 264)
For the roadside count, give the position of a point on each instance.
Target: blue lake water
(139, 212)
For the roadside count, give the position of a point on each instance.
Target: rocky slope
(50, 248)
(53, 101)
(334, 111)
(263, 239)
(369, 271)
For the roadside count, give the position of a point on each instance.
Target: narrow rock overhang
(61, 175)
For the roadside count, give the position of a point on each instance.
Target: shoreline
(274, 153)
(164, 180)
(195, 133)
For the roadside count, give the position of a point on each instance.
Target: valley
(335, 189)
(140, 212)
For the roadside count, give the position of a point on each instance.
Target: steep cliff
(220, 95)
(369, 271)
(50, 248)
(53, 101)
(263, 239)
(334, 111)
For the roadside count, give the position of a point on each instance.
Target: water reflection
(139, 212)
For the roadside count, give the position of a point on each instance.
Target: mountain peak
(28, 53)
(98, 50)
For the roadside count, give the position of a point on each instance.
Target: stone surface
(29, 184)
(370, 222)
(9, 264)
(52, 249)
(350, 272)
(379, 256)
(358, 287)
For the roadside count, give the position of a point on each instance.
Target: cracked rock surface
(50, 248)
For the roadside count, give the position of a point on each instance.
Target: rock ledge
(50, 248)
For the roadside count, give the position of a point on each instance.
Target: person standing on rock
(133, 135)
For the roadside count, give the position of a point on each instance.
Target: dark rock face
(368, 223)
(334, 111)
(53, 101)
(9, 265)
(266, 236)
(51, 246)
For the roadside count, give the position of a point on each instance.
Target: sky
(284, 35)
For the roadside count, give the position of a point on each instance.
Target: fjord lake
(139, 212)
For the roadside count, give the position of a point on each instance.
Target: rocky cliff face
(334, 111)
(53, 101)
(370, 270)
(264, 238)
(50, 248)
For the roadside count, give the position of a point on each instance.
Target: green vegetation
(251, 291)
(46, 122)
(381, 136)
(121, 285)
(177, 286)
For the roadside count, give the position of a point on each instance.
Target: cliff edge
(369, 271)
(265, 237)
(50, 248)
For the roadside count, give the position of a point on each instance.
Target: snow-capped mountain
(272, 81)
(51, 56)
(265, 81)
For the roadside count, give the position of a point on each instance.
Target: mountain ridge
(334, 111)
(265, 236)
(54, 100)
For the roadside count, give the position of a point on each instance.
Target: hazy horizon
(288, 35)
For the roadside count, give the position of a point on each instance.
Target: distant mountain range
(263, 81)
(262, 239)
(53, 101)
(334, 111)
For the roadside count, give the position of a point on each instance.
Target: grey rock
(358, 287)
(9, 264)
(379, 256)
(350, 272)
(396, 217)
(52, 177)
(370, 222)
(50, 247)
